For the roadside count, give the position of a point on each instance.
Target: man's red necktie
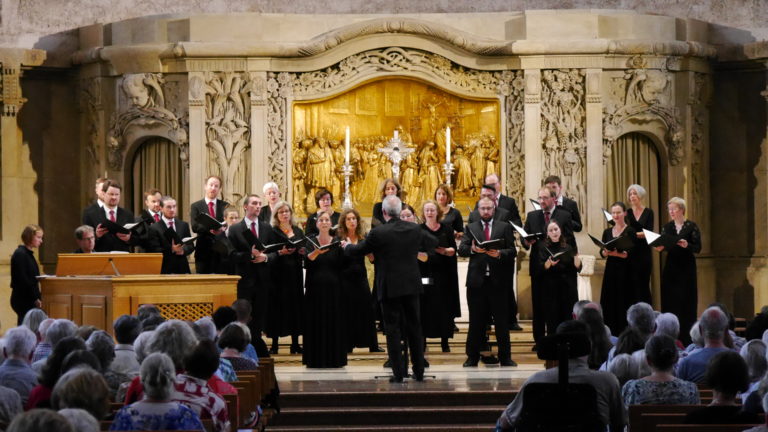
(170, 225)
(487, 231)
(546, 219)
(112, 216)
(211, 210)
(253, 229)
(157, 217)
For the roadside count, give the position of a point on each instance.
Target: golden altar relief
(373, 111)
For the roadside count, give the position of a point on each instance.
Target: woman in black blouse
(324, 202)
(452, 218)
(25, 290)
(679, 293)
(389, 187)
(640, 264)
(558, 277)
(615, 298)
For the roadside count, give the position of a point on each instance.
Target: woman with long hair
(615, 297)
(453, 218)
(559, 264)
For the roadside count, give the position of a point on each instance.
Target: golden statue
(430, 171)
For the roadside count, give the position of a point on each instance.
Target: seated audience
(732, 340)
(43, 348)
(697, 340)
(83, 388)
(146, 311)
(81, 420)
(40, 396)
(156, 411)
(624, 368)
(727, 375)
(758, 325)
(754, 354)
(205, 329)
(256, 347)
(192, 387)
(16, 372)
(232, 341)
(79, 358)
(713, 324)
(601, 344)
(85, 331)
(57, 331)
(102, 346)
(641, 323)
(661, 386)
(127, 329)
(10, 406)
(38, 420)
(609, 404)
(32, 320)
(667, 324)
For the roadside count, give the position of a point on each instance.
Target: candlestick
(346, 147)
(447, 145)
(347, 171)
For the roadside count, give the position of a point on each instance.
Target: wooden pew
(636, 412)
(649, 421)
(702, 428)
(232, 411)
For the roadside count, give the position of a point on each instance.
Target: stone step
(398, 415)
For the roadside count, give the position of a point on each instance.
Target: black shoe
(426, 363)
(455, 328)
(296, 349)
(418, 376)
(376, 349)
(387, 363)
(535, 348)
(395, 379)
(507, 362)
(491, 359)
(445, 346)
(471, 362)
(515, 327)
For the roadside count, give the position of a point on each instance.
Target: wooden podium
(96, 295)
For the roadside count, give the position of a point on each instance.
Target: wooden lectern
(95, 289)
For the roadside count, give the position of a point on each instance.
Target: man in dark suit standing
(205, 256)
(96, 217)
(165, 237)
(150, 214)
(502, 201)
(98, 190)
(251, 264)
(487, 191)
(536, 222)
(395, 246)
(553, 182)
(489, 277)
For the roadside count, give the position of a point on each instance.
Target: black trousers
(538, 300)
(484, 302)
(403, 312)
(206, 266)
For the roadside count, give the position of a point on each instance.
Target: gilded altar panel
(420, 112)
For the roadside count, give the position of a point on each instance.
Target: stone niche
(228, 92)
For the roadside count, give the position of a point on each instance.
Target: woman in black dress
(679, 292)
(558, 277)
(438, 274)
(324, 202)
(453, 218)
(616, 294)
(287, 290)
(390, 186)
(358, 307)
(272, 193)
(324, 344)
(25, 290)
(640, 217)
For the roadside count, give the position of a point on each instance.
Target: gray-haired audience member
(38, 420)
(127, 329)
(754, 354)
(80, 419)
(10, 406)
(667, 324)
(43, 348)
(15, 372)
(141, 345)
(713, 324)
(33, 319)
(103, 347)
(83, 388)
(174, 338)
(57, 331)
(624, 368)
(641, 317)
(206, 328)
(661, 386)
(641, 323)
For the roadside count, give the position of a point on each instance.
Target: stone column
(595, 166)
(532, 136)
(197, 151)
(259, 143)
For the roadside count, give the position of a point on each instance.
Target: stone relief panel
(698, 101)
(279, 88)
(563, 122)
(91, 107)
(639, 97)
(511, 88)
(228, 131)
(142, 104)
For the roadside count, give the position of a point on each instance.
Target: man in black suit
(99, 202)
(489, 277)
(502, 201)
(165, 237)
(251, 264)
(487, 191)
(553, 182)
(96, 217)
(205, 257)
(86, 239)
(395, 246)
(536, 222)
(150, 214)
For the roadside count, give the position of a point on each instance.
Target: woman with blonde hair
(640, 265)
(25, 290)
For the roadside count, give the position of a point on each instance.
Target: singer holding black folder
(287, 295)
(616, 295)
(558, 264)
(166, 237)
(639, 218)
(679, 292)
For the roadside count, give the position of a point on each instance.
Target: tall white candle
(395, 133)
(447, 145)
(346, 146)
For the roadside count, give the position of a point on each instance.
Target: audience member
(102, 346)
(223, 316)
(205, 329)
(10, 406)
(127, 329)
(754, 354)
(43, 348)
(16, 372)
(697, 340)
(57, 331)
(713, 324)
(38, 420)
(661, 386)
(727, 374)
(192, 387)
(667, 324)
(85, 331)
(40, 396)
(601, 345)
(233, 340)
(156, 411)
(83, 388)
(80, 419)
(763, 427)
(641, 323)
(146, 311)
(732, 340)
(758, 325)
(257, 346)
(79, 358)
(33, 319)
(624, 368)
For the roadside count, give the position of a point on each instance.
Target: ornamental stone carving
(143, 106)
(90, 106)
(511, 88)
(279, 87)
(698, 101)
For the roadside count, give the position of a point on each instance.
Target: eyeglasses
(486, 208)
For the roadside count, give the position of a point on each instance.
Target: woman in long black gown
(324, 344)
(640, 217)
(679, 292)
(25, 289)
(558, 277)
(324, 202)
(453, 218)
(616, 295)
(286, 295)
(439, 272)
(358, 306)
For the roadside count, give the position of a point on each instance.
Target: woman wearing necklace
(438, 274)
(453, 218)
(324, 344)
(324, 202)
(615, 298)
(640, 217)
(679, 292)
(558, 277)
(358, 306)
(287, 291)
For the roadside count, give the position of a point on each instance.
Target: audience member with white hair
(32, 320)
(10, 406)
(15, 372)
(641, 321)
(101, 344)
(713, 324)
(44, 347)
(80, 419)
(754, 354)
(57, 331)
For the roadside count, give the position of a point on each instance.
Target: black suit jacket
(395, 246)
(172, 263)
(252, 275)
(143, 231)
(204, 247)
(501, 268)
(94, 215)
(573, 208)
(534, 223)
(510, 205)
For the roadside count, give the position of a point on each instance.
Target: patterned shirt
(675, 392)
(195, 393)
(42, 351)
(145, 415)
(226, 372)
(18, 375)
